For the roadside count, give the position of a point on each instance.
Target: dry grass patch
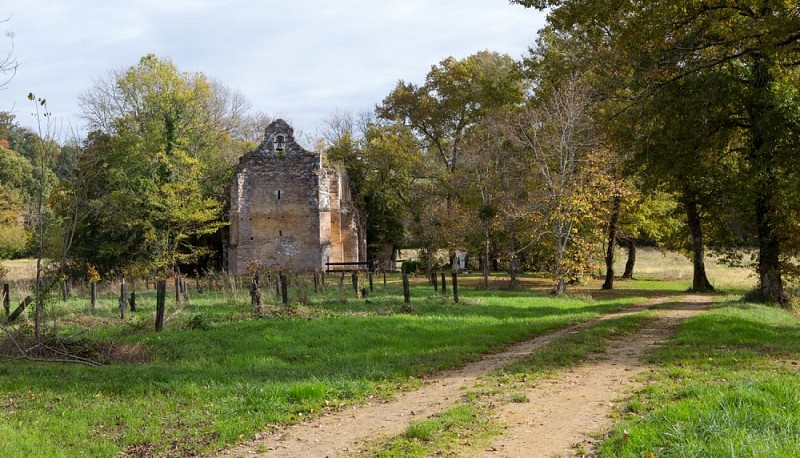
(20, 269)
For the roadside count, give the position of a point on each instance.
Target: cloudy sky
(297, 59)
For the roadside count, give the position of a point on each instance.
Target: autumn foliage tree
(152, 170)
(747, 50)
(441, 113)
(560, 137)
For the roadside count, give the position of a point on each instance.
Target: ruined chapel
(289, 208)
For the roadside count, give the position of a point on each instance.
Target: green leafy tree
(744, 50)
(16, 182)
(151, 175)
(382, 162)
(455, 97)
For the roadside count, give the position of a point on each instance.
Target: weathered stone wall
(286, 208)
(348, 221)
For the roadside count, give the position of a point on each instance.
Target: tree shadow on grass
(731, 334)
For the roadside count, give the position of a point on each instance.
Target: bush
(412, 267)
(13, 241)
(199, 322)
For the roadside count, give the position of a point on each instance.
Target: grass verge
(727, 386)
(467, 424)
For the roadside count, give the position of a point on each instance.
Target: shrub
(13, 241)
(411, 267)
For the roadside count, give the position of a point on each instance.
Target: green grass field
(726, 385)
(217, 375)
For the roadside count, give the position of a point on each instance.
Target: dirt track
(563, 411)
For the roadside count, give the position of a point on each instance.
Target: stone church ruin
(291, 209)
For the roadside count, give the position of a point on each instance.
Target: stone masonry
(290, 209)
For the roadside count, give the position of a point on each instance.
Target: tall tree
(748, 47)
(495, 187)
(382, 162)
(559, 134)
(456, 95)
(159, 161)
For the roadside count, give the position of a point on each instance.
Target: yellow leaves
(92, 276)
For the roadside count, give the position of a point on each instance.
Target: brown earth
(562, 413)
(567, 412)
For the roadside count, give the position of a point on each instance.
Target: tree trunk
(612, 240)
(429, 267)
(762, 157)
(630, 245)
(700, 281)
(770, 281)
(485, 260)
(561, 287)
(511, 263)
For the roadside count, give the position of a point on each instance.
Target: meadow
(219, 374)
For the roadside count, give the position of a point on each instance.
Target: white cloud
(302, 59)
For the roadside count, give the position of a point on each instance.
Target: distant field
(20, 269)
(655, 264)
(651, 264)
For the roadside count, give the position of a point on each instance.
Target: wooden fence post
(444, 284)
(384, 279)
(20, 309)
(284, 289)
(161, 298)
(93, 294)
(132, 301)
(355, 282)
(64, 293)
(7, 298)
(185, 290)
(316, 286)
(455, 287)
(123, 298)
(370, 283)
(435, 282)
(406, 290)
(177, 289)
(255, 295)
